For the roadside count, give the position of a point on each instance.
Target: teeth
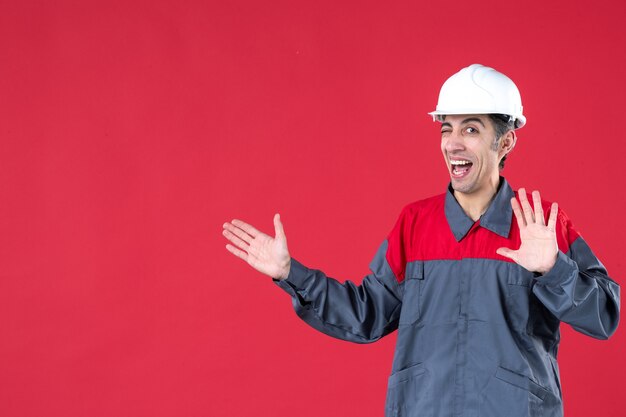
(459, 162)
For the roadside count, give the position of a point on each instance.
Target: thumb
(507, 253)
(278, 227)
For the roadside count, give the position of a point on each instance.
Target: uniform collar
(497, 218)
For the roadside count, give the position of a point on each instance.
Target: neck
(475, 204)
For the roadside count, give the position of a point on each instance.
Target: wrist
(547, 268)
(284, 271)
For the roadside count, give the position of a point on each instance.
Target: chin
(463, 187)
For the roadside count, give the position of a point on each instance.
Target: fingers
(237, 252)
(538, 208)
(517, 210)
(507, 253)
(246, 228)
(526, 208)
(525, 212)
(553, 215)
(236, 231)
(278, 227)
(234, 239)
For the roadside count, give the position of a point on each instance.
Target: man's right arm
(357, 313)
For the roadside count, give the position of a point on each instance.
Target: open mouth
(460, 167)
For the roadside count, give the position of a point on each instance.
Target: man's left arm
(574, 286)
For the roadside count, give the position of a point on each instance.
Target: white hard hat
(480, 90)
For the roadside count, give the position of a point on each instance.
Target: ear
(507, 143)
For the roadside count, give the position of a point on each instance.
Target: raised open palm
(539, 248)
(268, 255)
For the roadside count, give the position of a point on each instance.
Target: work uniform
(477, 334)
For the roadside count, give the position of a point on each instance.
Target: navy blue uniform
(478, 335)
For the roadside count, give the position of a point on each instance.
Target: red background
(131, 130)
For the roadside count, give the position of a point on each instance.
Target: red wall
(131, 130)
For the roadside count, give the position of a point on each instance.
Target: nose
(454, 142)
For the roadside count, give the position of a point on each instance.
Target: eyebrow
(468, 120)
(473, 119)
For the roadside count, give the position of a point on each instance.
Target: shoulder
(417, 212)
(427, 204)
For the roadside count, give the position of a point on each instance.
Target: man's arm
(574, 287)
(578, 291)
(357, 313)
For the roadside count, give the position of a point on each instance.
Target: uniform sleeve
(357, 313)
(577, 290)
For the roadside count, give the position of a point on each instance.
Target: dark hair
(501, 124)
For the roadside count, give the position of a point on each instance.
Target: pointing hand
(267, 255)
(539, 247)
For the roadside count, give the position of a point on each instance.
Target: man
(477, 319)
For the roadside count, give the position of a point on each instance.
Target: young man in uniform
(476, 280)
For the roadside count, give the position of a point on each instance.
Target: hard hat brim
(520, 121)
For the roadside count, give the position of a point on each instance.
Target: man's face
(467, 146)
